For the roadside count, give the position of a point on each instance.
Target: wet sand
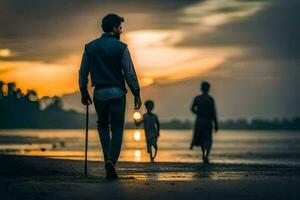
(24, 177)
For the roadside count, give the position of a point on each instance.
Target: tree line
(26, 110)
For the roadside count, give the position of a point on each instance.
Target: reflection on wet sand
(194, 171)
(174, 176)
(137, 135)
(137, 155)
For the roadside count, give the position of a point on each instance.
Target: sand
(24, 177)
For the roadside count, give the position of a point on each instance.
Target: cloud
(271, 33)
(158, 59)
(179, 59)
(47, 30)
(209, 15)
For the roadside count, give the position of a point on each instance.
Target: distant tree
(24, 111)
(45, 102)
(11, 87)
(1, 89)
(19, 93)
(55, 105)
(31, 95)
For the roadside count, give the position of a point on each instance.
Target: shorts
(151, 142)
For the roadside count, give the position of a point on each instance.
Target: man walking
(109, 64)
(206, 116)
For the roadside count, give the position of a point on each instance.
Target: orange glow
(154, 54)
(172, 63)
(158, 60)
(5, 53)
(137, 116)
(146, 81)
(46, 79)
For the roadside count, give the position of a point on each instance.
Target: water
(251, 147)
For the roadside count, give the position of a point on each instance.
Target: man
(205, 110)
(109, 64)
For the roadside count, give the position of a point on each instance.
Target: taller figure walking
(109, 64)
(204, 108)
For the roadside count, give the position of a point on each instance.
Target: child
(151, 127)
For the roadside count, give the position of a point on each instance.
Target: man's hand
(137, 102)
(86, 99)
(216, 129)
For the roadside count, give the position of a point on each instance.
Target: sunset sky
(257, 41)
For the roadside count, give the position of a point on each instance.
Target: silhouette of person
(151, 127)
(204, 108)
(109, 64)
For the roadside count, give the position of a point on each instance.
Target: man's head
(149, 105)
(205, 87)
(112, 23)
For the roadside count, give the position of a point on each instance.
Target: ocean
(230, 146)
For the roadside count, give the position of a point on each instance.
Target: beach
(27, 177)
(48, 164)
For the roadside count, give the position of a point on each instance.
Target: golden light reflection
(5, 52)
(137, 155)
(137, 135)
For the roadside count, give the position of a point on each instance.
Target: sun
(137, 116)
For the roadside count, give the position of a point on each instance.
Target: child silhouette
(151, 127)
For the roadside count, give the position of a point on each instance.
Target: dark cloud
(271, 33)
(45, 30)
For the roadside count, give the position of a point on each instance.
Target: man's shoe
(110, 170)
(205, 159)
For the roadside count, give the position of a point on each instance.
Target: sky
(248, 49)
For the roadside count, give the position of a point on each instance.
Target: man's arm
(215, 118)
(194, 107)
(131, 77)
(157, 125)
(83, 79)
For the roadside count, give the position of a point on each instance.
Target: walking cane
(86, 138)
